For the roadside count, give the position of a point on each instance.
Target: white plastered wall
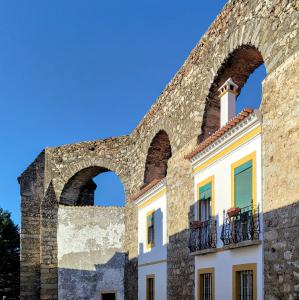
(152, 261)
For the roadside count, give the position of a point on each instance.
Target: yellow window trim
(251, 156)
(244, 267)
(205, 271)
(244, 139)
(149, 245)
(198, 186)
(148, 277)
(153, 198)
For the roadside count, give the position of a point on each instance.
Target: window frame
(152, 244)
(244, 267)
(211, 180)
(200, 273)
(149, 276)
(238, 163)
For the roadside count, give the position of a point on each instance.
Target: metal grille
(206, 293)
(242, 227)
(204, 237)
(246, 285)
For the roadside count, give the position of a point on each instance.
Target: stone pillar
(131, 243)
(180, 198)
(280, 109)
(48, 255)
(31, 184)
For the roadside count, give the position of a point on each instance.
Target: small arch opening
(157, 157)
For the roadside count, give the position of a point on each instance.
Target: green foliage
(9, 257)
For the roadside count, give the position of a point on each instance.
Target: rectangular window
(108, 296)
(206, 284)
(244, 282)
(150, 225)
(150, 287)
(243, 182)
(205, 199)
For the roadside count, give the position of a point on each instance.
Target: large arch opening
(239, 65)
(93, 186)
(90, 238)
(157, 157)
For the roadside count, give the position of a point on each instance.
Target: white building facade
(226, 236)
(152, 241)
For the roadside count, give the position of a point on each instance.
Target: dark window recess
(108, 296)
(150, 288)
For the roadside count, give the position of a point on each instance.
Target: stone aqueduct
(245, 34)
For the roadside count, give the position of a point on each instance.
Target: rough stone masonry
(245, 34)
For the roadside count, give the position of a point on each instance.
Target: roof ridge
(145, 188)
(221, 131)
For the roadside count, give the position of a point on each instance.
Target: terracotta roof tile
(144, 189)
(212, 138)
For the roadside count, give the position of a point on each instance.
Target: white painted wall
(153, 260)
(91, 254)
(223, 261)
(159, 251)
(160, 272)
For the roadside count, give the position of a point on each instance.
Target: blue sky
(84, 70)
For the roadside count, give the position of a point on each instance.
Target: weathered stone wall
(280, 108)
(32, 191)
(91, 257)
(247, 31)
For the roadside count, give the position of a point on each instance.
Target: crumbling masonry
(246, 34)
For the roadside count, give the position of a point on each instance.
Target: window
(205, 199)
(150, 225)
(206, 284)
(108, 296)
(150, 287)
(244, 282)
(243, 182)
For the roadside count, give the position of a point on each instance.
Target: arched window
(157, 157)
(93, 186)
(239, 65)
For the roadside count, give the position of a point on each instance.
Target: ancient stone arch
(245, 33)
(157, 157)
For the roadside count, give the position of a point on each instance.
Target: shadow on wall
(159, 248)
(280, 233)
(88, 285)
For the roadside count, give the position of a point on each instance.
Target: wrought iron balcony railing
(240, 225)
(203, 235)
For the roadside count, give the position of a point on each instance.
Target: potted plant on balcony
(234, 211)
(196, 224)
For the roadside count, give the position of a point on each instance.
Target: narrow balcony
(241, 227)
(203, 237)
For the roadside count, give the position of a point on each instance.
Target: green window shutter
(149, 220)
(205, 192)
(243, 185)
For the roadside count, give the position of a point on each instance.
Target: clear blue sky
(84, 70)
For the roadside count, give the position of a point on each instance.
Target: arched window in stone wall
(93, 186)
(239, 65)
(157, 157)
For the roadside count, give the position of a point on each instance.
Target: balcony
(241, 227)
(203, 237)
